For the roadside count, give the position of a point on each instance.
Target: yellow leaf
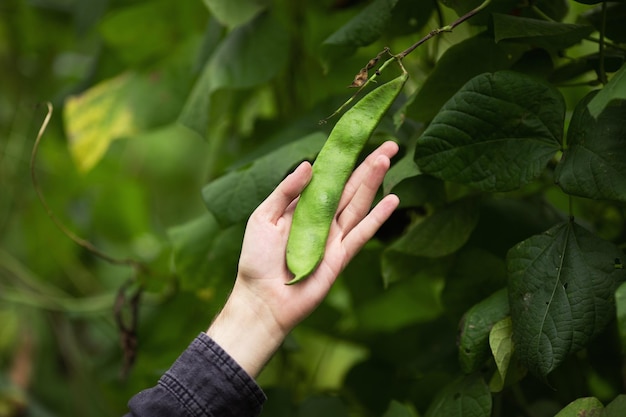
(97, 117)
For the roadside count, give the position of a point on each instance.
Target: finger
(286, 192)
(366, 229)
(388, 149)
(361, 202)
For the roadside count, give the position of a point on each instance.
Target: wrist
(247, 330)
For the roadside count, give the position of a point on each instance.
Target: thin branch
(79, 241)
(366, 83)
(128, 331)
(448, 28)
(361, 80)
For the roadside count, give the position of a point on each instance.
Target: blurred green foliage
(173, 120)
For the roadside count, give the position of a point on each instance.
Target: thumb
(277, 202)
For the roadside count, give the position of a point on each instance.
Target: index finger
(388, 148)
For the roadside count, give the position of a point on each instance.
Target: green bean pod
(319, 200)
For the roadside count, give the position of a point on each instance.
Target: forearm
(246, 330)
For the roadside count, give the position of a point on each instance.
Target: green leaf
(398, 266)
(233, 14)
(361, 30)
(502, 348)
(553, 36)
(250, 55)
(594, 163)
(475, 327)
(409, 16)
(555, 9)
(474, 275)
(163, 26)
(322, 406)
(191, 244)
(614, 90)
(403, 169)
(496, 134)
(561, 293)
(616, 407)
(468, 396)
(405, 180)
(414, 299)
(397, 409)
(234, 196)
(442, 233)
(576, 67)
(587, 407)
(457, 65)
(204, 255)
(620, 302)
(116, 108)
(613, 24)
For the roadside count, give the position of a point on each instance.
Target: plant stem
(137, 266)
(607, 43)
(399, 57)
(128, 331)
(447, 28)
(369, 80)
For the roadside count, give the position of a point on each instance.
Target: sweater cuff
(208, 382)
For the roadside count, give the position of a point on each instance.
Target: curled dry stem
(127, 330)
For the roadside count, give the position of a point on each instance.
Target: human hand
(260, 301)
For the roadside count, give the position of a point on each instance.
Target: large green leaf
(475, 328)
(594, 163)
(614, 90)
(232, 197)
(616, 407)
(587, 406)
(414, 299)
(468, 396)
(497, 133)
(250, 55)
(361, 30)
(460, 63)
(561, 293)
(441, 233)
(204, 255)
(539, 33)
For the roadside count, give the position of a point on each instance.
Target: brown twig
(128, 329)
(78, 240)
(448, 28)
(128, 332)
(361, 79)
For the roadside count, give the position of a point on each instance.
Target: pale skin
(261, 310)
